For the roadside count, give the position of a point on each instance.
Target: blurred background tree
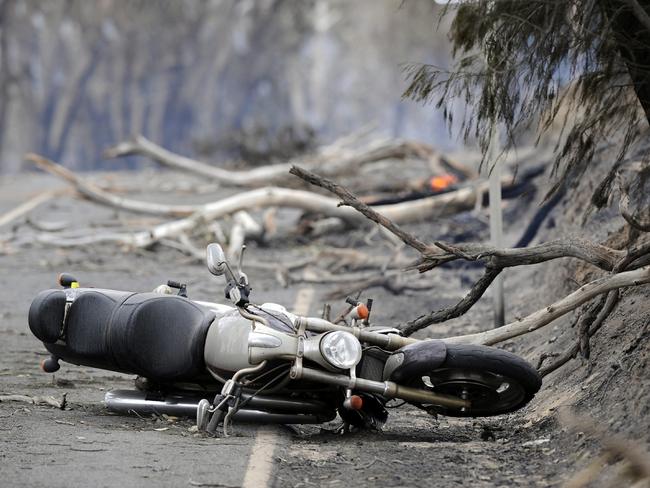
(209, 78)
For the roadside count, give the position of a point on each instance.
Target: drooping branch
(548, 314)
(495, 260)
(444, 314)
(349, 199)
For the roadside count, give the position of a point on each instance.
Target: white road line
(260, 463)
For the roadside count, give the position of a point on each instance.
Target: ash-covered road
(84, 445)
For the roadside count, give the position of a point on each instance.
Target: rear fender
(415, 360)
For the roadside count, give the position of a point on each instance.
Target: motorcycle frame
(298, 347)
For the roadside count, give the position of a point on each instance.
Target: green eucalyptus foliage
(576, 64)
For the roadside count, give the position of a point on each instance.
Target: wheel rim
(489, 393)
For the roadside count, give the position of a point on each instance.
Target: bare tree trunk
(632, 36)
(5, 74)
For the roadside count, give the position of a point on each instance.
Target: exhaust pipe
(286, 411)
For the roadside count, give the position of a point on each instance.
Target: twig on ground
(36, 400)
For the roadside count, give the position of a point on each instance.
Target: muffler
(276, 410)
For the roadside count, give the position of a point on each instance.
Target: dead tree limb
(596, 254)
(546, 315)
(437, 205)
(95, 193)
(460, 308)
(494, 259)
(336, 163)
(608, 305)
(347, 198)
(29, 205)
(590, 323)
(142, 146)
(244, 228)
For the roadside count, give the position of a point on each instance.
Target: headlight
(341, 349)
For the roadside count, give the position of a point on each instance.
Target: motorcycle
(261, 363)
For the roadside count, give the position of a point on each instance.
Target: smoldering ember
(289, 243)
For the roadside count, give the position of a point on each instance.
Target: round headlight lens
(341, 349)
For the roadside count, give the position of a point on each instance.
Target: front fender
(415, 360)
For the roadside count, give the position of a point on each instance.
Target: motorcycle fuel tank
(226, 345)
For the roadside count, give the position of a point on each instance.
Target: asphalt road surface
(85, 445)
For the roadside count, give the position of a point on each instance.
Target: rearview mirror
(216, 259)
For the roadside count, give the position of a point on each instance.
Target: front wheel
(494, 381)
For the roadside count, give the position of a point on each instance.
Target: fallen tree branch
(337, 163)
(349, 199)
(442, 315)
(435, 206)
(494, 259)
(598, 255)
(546, 315)
(244, 227)
(590, 323)
(29, 205)
(438, 205)
(95, 193)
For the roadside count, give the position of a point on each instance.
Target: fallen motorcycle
(262, 363)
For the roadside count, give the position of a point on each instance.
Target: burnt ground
(84, 444)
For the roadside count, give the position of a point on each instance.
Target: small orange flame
(439, 183)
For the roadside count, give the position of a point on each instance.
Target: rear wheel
(494, 381)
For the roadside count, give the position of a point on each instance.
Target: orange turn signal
(356, 402)
(362, 311)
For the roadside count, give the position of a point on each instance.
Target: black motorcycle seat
(46, 315)
(158, 336)
(161, 336)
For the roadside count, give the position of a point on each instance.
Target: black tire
(475, 372)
